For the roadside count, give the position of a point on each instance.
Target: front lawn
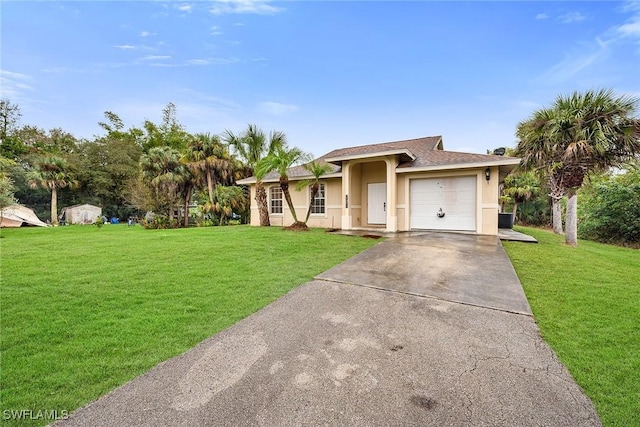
(586, 301)
(84, 310)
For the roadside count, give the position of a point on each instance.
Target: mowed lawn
(586, 301)
(84, 310)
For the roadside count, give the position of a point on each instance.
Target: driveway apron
(421, 330)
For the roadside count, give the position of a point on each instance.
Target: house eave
(505, 162)
(339, 159)
(252, 180)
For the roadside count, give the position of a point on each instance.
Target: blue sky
(329, 74)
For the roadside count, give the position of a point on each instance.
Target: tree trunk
(314, 192)
(556, 211)
(515, 211)
(263, 207)
(571, 237)
(186, 211)
(54, 205)
(210, 187)
(284, 184)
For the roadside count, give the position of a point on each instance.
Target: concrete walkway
(369, 349)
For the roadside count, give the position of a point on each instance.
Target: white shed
(81, 214)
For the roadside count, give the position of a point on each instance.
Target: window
(318, 204)
(275, 197)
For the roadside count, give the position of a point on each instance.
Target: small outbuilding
(17, 216)
(80, 214)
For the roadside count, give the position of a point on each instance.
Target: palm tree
(317, 170)
(206, 157)
(520, 187)
(537, 152)
(252, 146)
(51, 173)
(283, 158)
(584, 133)
(226, 200)
(163, 171)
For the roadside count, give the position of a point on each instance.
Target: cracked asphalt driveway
(333, 352)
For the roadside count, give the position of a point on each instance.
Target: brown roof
(424, 152)
(428, 143)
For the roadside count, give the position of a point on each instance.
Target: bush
(609, 209)
(160, 222)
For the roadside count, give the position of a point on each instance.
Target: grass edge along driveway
(585, 301)
(85, 310)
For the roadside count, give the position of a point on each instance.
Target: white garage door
(443, 203)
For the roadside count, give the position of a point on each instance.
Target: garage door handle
(384, 206)
(440, 213)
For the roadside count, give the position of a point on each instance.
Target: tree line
(157, 168)
(588, 145)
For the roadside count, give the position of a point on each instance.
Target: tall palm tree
(164, 172)
(538, 153)
(587, 132)
(51, 173)
(317, 170)
(283, 158)
(252, 146)
(206, 157)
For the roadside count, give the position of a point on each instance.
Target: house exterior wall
(333, 205)
(363, 173)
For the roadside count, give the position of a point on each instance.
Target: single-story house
(80, 214)
(17, 216)
(395, 186)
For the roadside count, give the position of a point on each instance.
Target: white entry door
(377, 200)
(444, 203)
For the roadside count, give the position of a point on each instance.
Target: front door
(377, 200)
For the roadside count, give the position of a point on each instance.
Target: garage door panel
(456, 196)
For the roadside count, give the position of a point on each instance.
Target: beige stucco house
(396, 186)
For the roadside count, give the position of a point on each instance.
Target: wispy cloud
(155, 58)
(198, 62)
(575, 62)
(216, 31)
(571, 17)
(277, 108)
(262, 7)
(146, 33)
(541, 16)
(124, 46)
(13, 85)
(187, 8)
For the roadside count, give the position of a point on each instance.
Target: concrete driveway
(429, 329)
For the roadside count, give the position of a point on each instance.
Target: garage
(443, 203)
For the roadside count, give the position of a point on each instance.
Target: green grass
(84, 310)
(586, 301)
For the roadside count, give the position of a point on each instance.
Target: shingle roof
(426, 153)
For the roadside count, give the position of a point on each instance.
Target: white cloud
(12, 85)
(198, 62)
(262, 7)
(185, 8)
(577, 61)
(277, 108)
(571, 17)
(542, 16)
(124, 46)
(630, 29)
(146, 33)
(155, 57)
(216, 31)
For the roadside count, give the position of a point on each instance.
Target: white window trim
(270, 199)
(321, 214)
